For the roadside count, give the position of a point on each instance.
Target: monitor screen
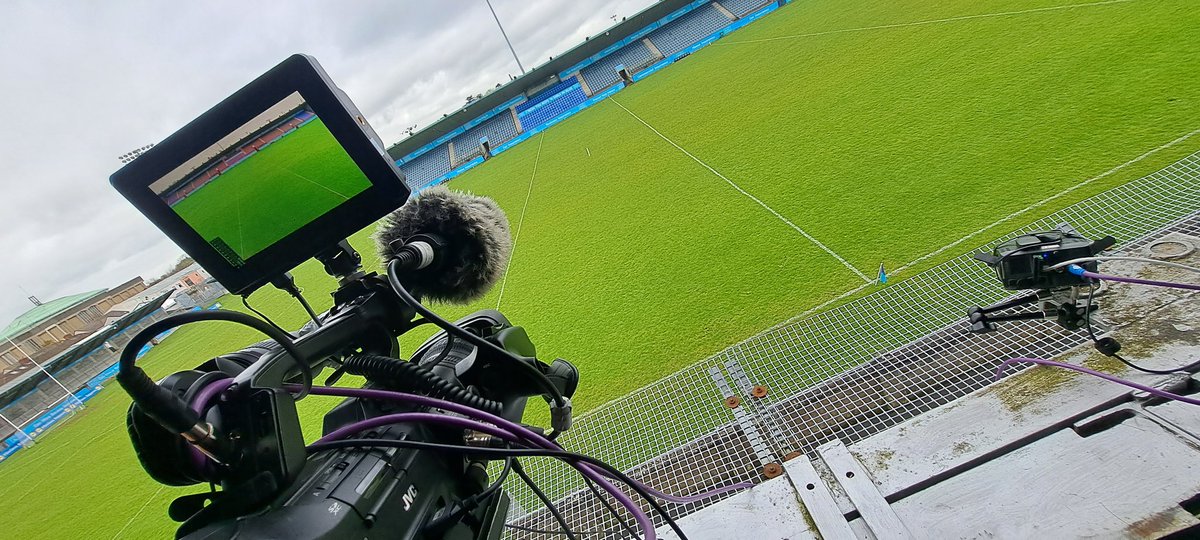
(268, 178)
(277, 173)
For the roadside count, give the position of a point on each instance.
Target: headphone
(167, 457)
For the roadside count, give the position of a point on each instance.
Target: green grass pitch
(279, 189)
(884, 140)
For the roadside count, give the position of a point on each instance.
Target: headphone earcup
(164, 455)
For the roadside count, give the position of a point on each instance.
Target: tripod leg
(982, 321)
(1028, 298)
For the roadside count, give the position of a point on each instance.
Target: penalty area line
(931, 21)
(748, 195)
(520, 220)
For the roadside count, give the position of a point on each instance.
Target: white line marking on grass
(932, 21)
(325, 187)
(63, 462)
(520, 220)
(139, 512)
(751, 197)
(241, 237)
(1048, 199)
(948, 246)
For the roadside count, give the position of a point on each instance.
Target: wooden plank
(818, 500)
(768, 511)
(857, 484)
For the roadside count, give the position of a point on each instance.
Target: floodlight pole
(52, 377)
(505, 34)
(17, 429)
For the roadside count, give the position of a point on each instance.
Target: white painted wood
(818, 500)
(768, 511)
(1125, 482)
(861, 489)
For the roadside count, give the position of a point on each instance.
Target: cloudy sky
(87, 81)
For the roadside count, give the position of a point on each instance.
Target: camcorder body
(281, 172)
(347, 493)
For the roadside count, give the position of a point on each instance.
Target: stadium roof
(40, 314)
(25, 383)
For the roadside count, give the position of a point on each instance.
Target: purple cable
(200, 402)
(538, 439)
(387, 419)
(199, 405)
(1079, 271)
(510, 429)
(1105, 376)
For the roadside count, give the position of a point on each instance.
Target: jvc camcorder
(280, 172)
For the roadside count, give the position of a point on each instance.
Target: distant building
(194, 276)
(51, 327)
(189, 287)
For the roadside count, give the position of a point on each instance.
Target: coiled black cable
(410, 376)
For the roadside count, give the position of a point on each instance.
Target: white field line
(520, 220)
(931, 21)
(139, 512)
(241, 237)
(815, 309)
(1042, 202)
(749, 196)
(320, 185)
(63, 462)
(1000, 221)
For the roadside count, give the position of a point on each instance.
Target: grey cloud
(86, 82)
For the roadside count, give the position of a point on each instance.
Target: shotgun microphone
(453, 246)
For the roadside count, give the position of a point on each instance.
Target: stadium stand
(584, 74)
(685, 31)
(548, 108)
(498, 129)
(545, 95)
(427, 167)
(603, 73)
(741, 8)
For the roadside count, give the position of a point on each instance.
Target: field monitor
(279, 171)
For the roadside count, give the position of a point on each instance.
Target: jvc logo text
(410, 497)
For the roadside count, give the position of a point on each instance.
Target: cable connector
(479, 439)
(1107, 346)
(560, 417)
(204, 438)
(287, 284)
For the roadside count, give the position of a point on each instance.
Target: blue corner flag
(882, 274)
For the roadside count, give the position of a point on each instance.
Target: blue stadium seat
(426, 167)
(741, 8)
(548, 108)
(545, 94)
(498, 129)
(603, 73)
(685, 31)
